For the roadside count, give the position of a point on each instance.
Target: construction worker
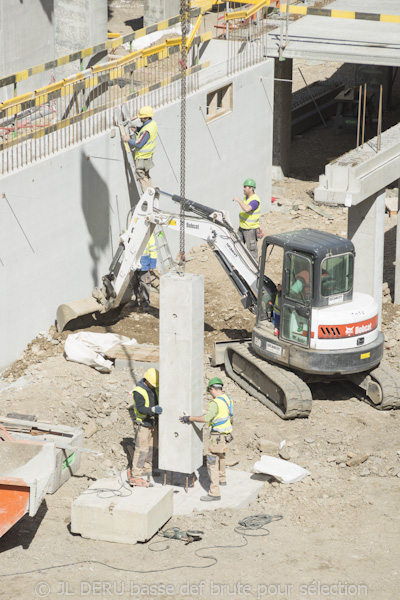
(142, 277)
(143, 145)
(249, 217)
(146, 409)
(219, 418)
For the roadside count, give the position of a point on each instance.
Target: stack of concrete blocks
(181, 371)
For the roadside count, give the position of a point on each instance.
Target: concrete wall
(159, 10)
(36, 31)
(61, 218)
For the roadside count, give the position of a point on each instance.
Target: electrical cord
(253, 523)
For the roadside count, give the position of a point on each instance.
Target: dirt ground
(339, 535)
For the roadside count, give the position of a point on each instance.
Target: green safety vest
(148, 149)
(250, 220)
(222, 422)
(151, 248)
(140, 416)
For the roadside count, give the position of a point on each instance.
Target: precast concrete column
(282, 118)
(181, 371)
(366, 229)
(159, 10)
(397, 267)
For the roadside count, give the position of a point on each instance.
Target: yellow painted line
(343, 14)
(390, 19)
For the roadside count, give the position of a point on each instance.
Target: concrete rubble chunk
(357, 460)
(91, 429)
(267, 446)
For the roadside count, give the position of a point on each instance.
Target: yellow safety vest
(151, 248)
(250, 220)
(222, 422)
(140, 416)
(148, 149)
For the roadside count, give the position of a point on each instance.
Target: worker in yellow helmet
(146, 411)
(249, 217)
(143, 145)
(219, 418)
(142, 277)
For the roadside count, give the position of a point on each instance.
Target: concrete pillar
(181, 371)
(159, 10)
(366, 229)
(397, 267)
(78, 24)
(282, 118)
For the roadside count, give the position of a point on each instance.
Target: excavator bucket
(73, 310)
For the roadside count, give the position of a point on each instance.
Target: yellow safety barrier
(339, 14)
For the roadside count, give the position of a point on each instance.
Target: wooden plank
(139, 352)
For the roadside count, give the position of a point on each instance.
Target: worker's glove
(157, 410)
(185, 419)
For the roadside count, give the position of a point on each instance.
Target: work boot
(209, 498)
(146, 308)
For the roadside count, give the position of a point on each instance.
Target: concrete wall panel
(71, 209)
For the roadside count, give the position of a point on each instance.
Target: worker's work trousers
(216, 463)
(141, 287)
(249, 239)
(143, 167)
(145, 454)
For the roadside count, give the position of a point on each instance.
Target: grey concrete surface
(365, 228)
(132, 515)
(362, 172)
(35, 31)
(242, 488)
(344, 40)
(62, 216)
(159, 10)
(180, 446)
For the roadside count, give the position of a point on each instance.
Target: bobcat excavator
(326, 332)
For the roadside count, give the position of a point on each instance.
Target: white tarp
(89, 348)
(151, 38)
(283, 470)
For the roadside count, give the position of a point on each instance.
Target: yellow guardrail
(246, 14)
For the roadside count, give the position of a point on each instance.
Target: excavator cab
(316, 272)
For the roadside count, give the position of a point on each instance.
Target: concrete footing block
(135, 516)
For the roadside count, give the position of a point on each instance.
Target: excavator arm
(200, 221)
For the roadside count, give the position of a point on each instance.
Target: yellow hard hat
(152, 376)
(146, 112)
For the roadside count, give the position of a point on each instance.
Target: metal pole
(378, 136)
(359, 115)
(364, 113)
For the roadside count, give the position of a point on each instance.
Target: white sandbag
(89, 348)
(283, 470)
(151, 38)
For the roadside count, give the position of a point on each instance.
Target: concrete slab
(134, 516)
(242, 489)
(345, 40)
(362, 172)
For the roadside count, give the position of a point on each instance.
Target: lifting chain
(184, 14)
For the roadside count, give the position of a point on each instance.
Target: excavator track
(380, 388)
(279, 389)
